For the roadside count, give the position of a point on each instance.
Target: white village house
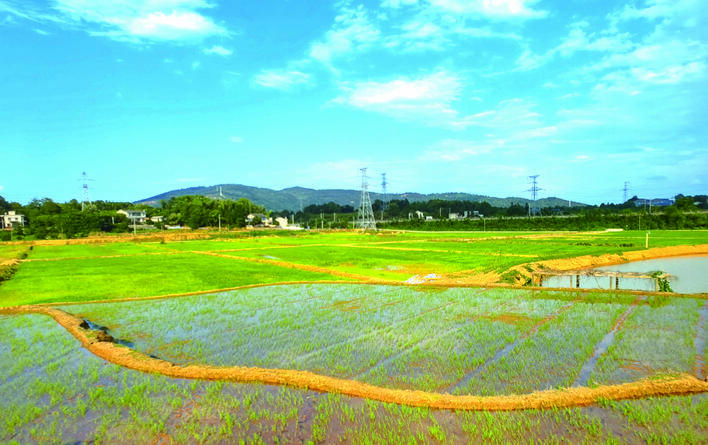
(135, 216)
(12, 219)
(259, 219)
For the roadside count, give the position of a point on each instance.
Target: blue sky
(441, 95)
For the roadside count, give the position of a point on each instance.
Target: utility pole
(365, 218)
(221, 197)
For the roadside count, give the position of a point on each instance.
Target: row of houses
(453, 216)
(12, 219)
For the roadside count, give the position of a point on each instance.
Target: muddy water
(689, 275)
(577, 279)
(690, 272)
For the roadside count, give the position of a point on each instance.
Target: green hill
(295, 198)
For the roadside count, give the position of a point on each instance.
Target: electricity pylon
(365, 218)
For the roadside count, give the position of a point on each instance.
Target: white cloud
(424, 97)
(351, 32)
(685, 13)
(456, 149)
(196, 65)
(135, 21)
(511, 115)
(580, 40)
(217, 50)
(577, 40)
(667, 62)
(493, 9)
(397, 3)
(236, 139)
(285, 80)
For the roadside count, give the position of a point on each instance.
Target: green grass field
(80, 272)
(475, 340)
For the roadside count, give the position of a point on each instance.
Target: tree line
(48, 219)
(45, 219)
(403, 214)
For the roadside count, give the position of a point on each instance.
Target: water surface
(689, 275)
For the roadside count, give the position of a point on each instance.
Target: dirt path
(570, 397)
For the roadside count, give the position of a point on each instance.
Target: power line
(365, 218)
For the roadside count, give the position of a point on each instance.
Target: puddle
(602, 346)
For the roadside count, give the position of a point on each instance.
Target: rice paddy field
(339, 305)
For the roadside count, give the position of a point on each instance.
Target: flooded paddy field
(441, 340)
(436, 339)
(480, 341)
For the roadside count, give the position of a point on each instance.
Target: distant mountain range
(295, 198)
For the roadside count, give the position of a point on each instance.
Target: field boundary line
(40, 260)
(605, 342)
(307, 355)
(509, 347)
(395, 356)
(563, 398)
(421, 249)
(433, 285)
(289, 265)
(699, 342)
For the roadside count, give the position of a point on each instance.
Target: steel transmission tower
(365, 218)
(86, 203)
(385, 197)
(534, 192)
(625, 189)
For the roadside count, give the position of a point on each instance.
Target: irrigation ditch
(97, 340)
